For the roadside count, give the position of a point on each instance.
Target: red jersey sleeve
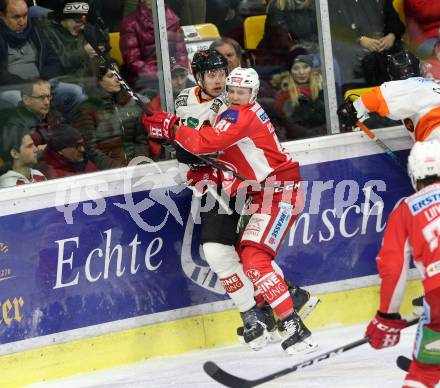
(221, 136)
(393, 260)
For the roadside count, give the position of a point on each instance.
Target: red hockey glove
(159, 125)
(384, 330)
(201, 177)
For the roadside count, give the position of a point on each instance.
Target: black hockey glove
(347, 113)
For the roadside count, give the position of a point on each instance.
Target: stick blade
(223, 377)
(403, 363)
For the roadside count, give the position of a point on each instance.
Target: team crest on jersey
(262, 115)
(216, 104)
(182, 100)
(192, 122)
(230, 115)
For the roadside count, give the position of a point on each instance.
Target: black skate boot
(298, 336)
(272, 325)
(255, 332)
(303, 303)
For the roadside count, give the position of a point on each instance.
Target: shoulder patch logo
(182, 100)
(230, 115)
(216, 104)
(262, 115)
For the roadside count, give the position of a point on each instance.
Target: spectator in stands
(25, 53)
(423, 24)
(138, 45)
(190, 11)
(230, 49)
(65, 154)
(303, 107)
(288, 23)
(109, 123)
(34, 112)
(179, 82)
(19, 155)
(363, 34)
(65, 32)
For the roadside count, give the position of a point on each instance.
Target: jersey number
(431, 232)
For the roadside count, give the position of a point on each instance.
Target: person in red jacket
(413, 229)
(265, 177)
(138, 47)
(65, 154)
(423, 23)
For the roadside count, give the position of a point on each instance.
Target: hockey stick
(382, 145)
(229, 380)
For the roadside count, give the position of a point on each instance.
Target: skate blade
(303, 347)
(241, 339)
(260, 342)
(307, 309)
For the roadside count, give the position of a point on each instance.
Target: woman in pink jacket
(138, 46)
(423, 23)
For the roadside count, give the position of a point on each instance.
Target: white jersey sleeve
(195, 112)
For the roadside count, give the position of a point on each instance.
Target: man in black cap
(66, 34)
(65, 154)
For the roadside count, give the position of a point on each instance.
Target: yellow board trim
(171, 338)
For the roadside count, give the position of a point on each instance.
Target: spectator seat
(115, 51)
(253, 31)
(398, 6)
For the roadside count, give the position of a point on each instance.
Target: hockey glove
(201, 177)
(384, 330)
(347, 113)
(159, 125)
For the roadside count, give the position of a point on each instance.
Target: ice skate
(298, 336)
(255, 332)
(303, 302)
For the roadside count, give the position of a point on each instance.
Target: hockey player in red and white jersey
(408, 97)
(413, 230)
(246, 142)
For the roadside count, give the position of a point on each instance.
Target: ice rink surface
(362, 367)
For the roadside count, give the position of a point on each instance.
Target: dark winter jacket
(112, 131)
(138, 46)
(54, 165)
(69, 49)
(284, 28)
(40, 128)
(47, 63)
(307, 119)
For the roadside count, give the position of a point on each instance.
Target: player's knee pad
(225, 262)
(221, 258)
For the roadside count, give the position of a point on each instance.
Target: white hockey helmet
(424, 161)
(244, 78)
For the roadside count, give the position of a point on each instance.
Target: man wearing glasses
(34, 112)
(65, 154)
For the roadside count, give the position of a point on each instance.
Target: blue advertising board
(121, 257)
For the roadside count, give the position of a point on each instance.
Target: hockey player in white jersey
(408, 97)
(196, 107)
